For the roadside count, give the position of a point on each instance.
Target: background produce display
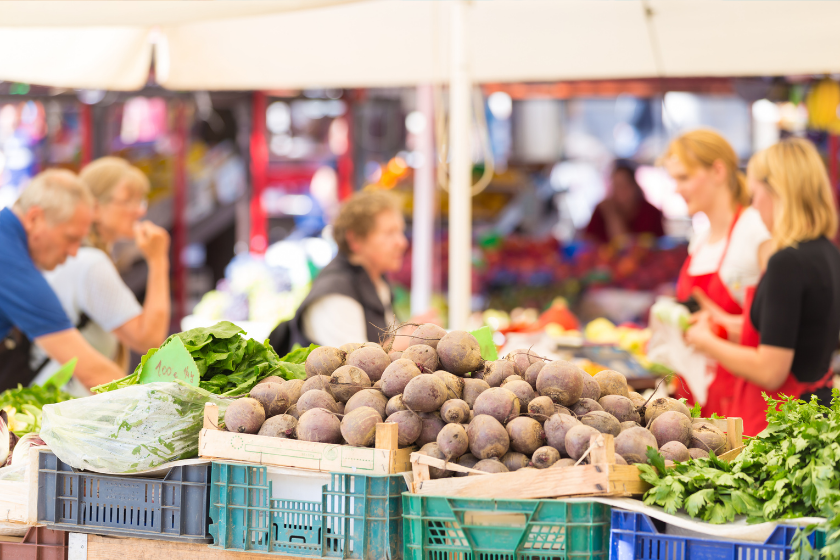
(494, 416)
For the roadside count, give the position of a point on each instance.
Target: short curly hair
(358, 215)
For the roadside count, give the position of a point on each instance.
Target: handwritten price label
(169, 363)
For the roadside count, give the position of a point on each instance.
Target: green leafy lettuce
(229, 364)
(790, 470)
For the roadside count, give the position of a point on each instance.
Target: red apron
(748, 401)
(719, 396)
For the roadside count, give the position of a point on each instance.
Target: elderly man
(47, 224)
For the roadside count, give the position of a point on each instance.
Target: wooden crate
(98, 547)
(384, 458)
(19, 498)
(602, 477)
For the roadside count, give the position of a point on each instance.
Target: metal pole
(460, 174)
(423, 221)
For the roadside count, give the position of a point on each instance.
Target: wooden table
(99, 547)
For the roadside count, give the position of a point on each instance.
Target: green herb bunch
(790, 470)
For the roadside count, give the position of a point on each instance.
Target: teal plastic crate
(441, 528)
(359, 517)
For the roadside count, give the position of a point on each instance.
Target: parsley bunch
(790, 470)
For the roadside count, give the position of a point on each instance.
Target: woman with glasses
(88, 285)
(791, 320)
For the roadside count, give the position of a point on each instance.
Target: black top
(341, 277)
(797, 305)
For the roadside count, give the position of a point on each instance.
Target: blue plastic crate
(445, 528)
(174, 508)
(358, 517)
(635, 537)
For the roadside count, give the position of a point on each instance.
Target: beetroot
(671, 426)
(472, 389)
(674, 451)
(395, 404)
(293, 412)
(317, 383)
(270, 395)
(487, 437)
(424, 393)
(560, 409)
(633, 444)
(316, 399)
(522, 390)
(492, 465)
(346, 381)
(394, 356)
(541, 409)
(563, 463)
(454, 384)
(282, 426)
(628, 425)
(533, 372)
(272, 379)
(367, 397)
(455, 411)
(292, 389)
(544, 457)
(511, 379)
(602, 421)
(432, 425)
(397, 375)
(459, 352)
(409, 426)
(466, 460)
(499, 403)
(695, 453)
(612, 383)
(432, 450)
(556, 429)
(522, 359)
(663, 404)
(319, 426)
(244, 416)
(578, 439)
(514, 461)
(496, 372)
(427, 333)
(324, 360)
(708, 437)
(423, 355)
(585, 406)
(371, 359)
(358, 427)
(620, 407)
(452, 441)
(591, 389)
(561, 381)
(526, 435)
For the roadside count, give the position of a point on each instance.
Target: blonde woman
(88, 285)
(723, 260)
(793, 321)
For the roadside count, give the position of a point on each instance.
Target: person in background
(350, 300)
(47, 224)
(88, 284)
(625, 212)
(724, 259)
(792, 323)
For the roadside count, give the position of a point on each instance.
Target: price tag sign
(484, 336)
(169, 363)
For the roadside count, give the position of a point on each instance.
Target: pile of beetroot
(519, 412)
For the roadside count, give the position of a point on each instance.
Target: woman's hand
(732, 324)
(152, 240)
(699, 334)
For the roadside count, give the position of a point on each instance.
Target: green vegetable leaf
(695, 502)
(696, 410)
(656, 460)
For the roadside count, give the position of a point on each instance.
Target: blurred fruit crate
(39, 543)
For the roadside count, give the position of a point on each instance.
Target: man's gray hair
(58, 192)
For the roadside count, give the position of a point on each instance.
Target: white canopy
(266, 44)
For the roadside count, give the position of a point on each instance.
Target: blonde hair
(58, 192)
(795, 174)
(358, 215)
(701, 148)
(102, 176)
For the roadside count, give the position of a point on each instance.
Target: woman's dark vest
(342, 278)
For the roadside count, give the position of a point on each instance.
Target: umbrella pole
(460, 174)
(423, 220)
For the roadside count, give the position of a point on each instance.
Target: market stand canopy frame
(266, 44)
